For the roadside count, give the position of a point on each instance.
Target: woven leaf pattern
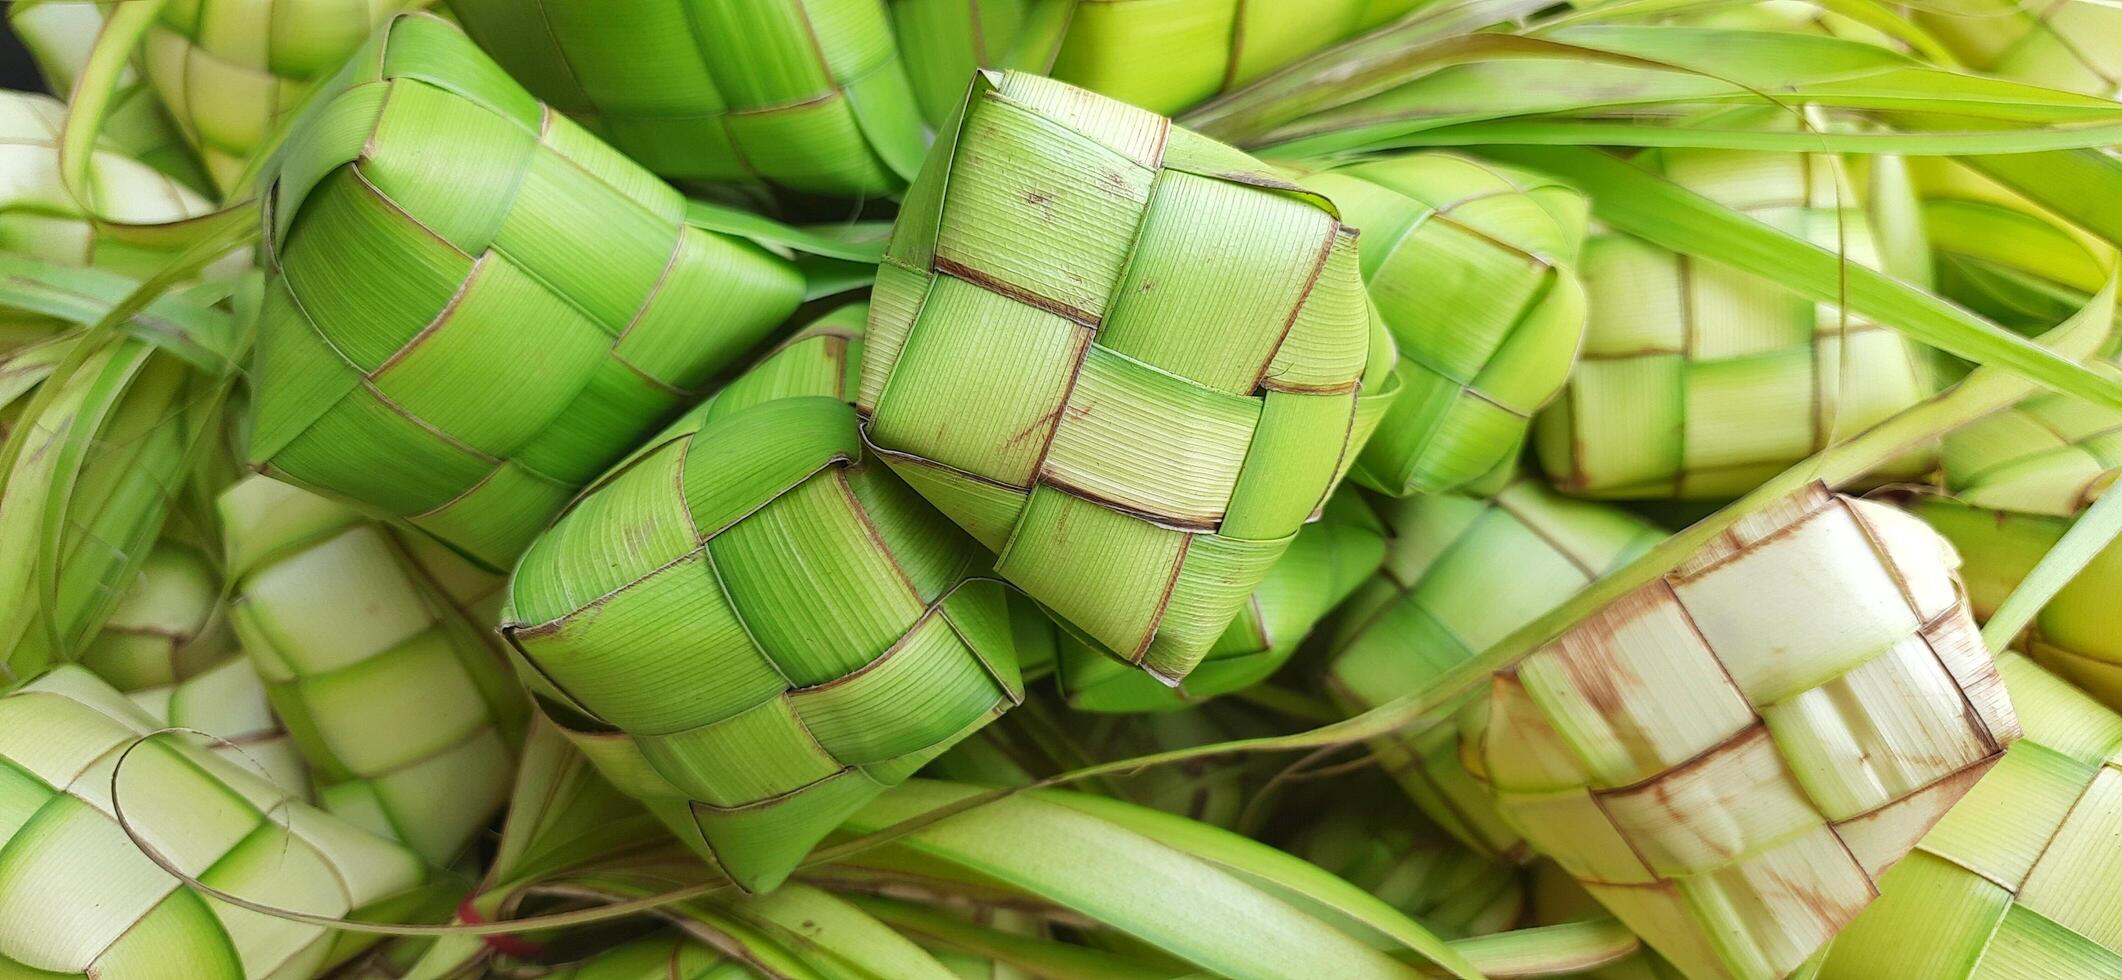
(1460, 574)
(1327, 561)
(57, 34)
(805, 94)
(229, 72)
(78, 898)
(754, 628)
(432, 220)
(39, 217)
(1137, 424)
(1732, 757)
(2015, 482)
(1698, 380)
(342, 617)
(228, 701)
(1471, 266)
(2014, 880)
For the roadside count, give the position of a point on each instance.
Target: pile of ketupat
(1076, 489)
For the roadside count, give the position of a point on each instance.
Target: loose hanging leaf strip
(1302, 884)
(1165, 57)
(991, 943)
(1227, 925)
(1648, 73)
(188, 324)
(1355, 69)
(60, 35)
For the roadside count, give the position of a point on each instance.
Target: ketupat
(808, 95)
(230, 72)
(1063, 408)
(2014, 482)
(167, 646)
(477, 307)
(1328, 560)
(2018, 879)
(60, 35)
(1700, 381)
(1460, 574)
(79, 898)
(755, 628)
(170, 626)
(1472, 267)
(1727, 758)
(401, 700)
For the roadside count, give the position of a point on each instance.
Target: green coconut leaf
(1039, 957)
(1071, 857)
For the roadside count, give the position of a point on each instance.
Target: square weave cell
(1460, 574)
(809, 95)
(2018, 879)
(1138, 420)
(475, 306)
(1472, 267)
(754, 628)
(1700, 380)
(80, 898)
(1731, 757)
(229, 72)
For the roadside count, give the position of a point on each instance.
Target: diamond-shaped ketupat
(476, 306)
(1728, 758)
(755, 628)
(1138, 417)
